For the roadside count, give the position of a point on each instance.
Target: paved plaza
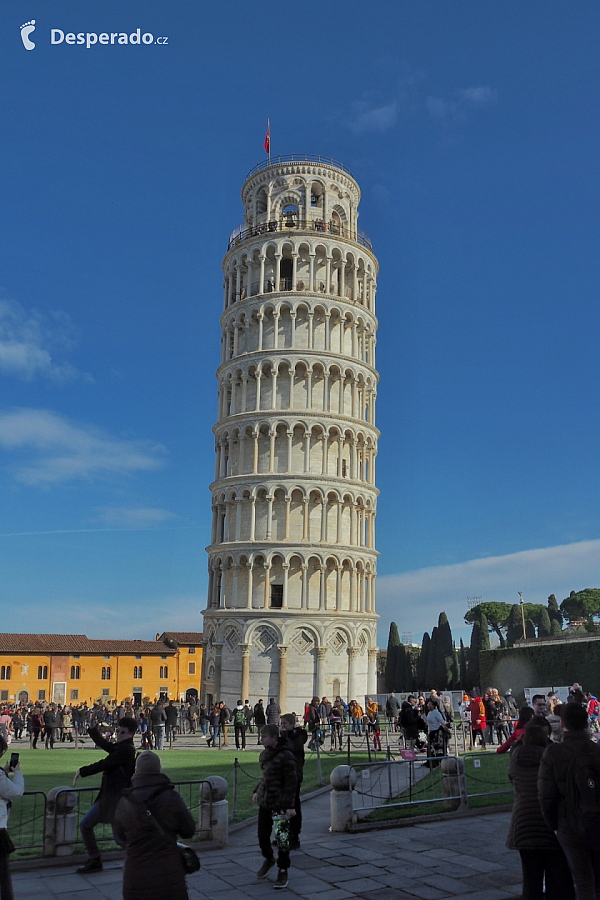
(462, 857)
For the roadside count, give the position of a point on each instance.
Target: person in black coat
(410, 722)
(153, 868)
(541, 854)
(275, 793)
(295, 738)
(273, 712)
(117, 769)
(582, 849)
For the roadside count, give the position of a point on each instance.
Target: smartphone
(14, 761)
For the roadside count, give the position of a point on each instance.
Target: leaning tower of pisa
(292, 559)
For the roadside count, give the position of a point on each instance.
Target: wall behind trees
(536, 665)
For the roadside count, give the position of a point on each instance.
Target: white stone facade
(292, 559)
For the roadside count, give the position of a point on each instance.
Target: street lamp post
(520, 593)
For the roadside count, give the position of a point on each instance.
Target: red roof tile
(75, 643)
(184, 637)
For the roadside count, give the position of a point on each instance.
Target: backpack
(239, 717)
(582, 794)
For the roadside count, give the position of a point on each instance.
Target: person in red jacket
(525, 716)
(478, 720)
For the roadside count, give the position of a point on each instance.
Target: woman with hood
(153, 868)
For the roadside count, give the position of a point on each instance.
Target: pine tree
(444, 654)
(430, 671)
(544, 625)
(392, 657)
(422, 661)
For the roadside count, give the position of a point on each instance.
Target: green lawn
(44, 770)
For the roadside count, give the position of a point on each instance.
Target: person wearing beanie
(117, 768)
(153, 868)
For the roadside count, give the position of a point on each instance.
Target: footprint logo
(26, 30)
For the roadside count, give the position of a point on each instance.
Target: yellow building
(72, 668)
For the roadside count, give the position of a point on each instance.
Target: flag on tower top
(268, 138)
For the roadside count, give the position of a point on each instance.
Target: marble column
(321, 676)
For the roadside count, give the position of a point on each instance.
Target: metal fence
(396, 787)
(38, 822)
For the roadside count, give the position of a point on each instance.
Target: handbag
(189, 858)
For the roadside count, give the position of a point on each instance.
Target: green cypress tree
(409, 670)
(455, 684)
(515, 625)
(473, 656)
(392, 657)
(430, 671)
(544, 625)
(422, 661)
(444, 654)
(400, 679)
(554, 611)
(463, 666)
(480, 641)
(485, 633)
(555, 628)
(529, 628)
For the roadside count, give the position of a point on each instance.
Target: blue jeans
(357, 726)
(87, 825)
(583, 857)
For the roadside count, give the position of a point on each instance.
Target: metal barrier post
(319, 769)
(235, 789)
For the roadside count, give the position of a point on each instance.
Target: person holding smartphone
(11, 785)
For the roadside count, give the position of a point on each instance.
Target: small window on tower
(344, 469)
(276, 596)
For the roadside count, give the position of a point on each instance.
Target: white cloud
(58, 450)
(33, 343)
(366, 118)
(134, 517)
(414, 599)
(461, 103)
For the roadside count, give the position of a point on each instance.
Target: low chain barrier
(399, 783)
(450, 782)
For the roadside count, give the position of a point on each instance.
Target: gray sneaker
(266, 866)
(282, 879)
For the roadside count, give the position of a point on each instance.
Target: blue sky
(473, 132)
